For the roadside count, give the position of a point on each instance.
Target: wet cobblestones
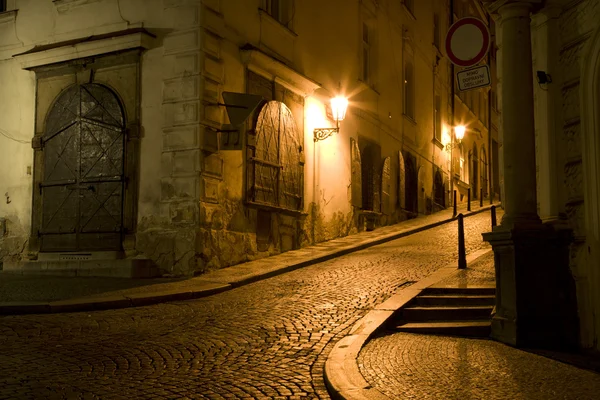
(411, 366)
(268, 339)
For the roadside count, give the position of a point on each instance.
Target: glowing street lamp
(339, 105)
(459, 134)
(459, 131)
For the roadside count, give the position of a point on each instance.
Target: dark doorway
(474, 179)
(411, 183)
(495, 169)
(438, 190)
(82, 185)
(370, 160)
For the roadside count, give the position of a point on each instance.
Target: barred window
(276, 165)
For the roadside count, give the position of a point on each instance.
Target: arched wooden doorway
(82, 186)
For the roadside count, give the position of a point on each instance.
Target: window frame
(436, 30)
(366, 68)
(409, 5)
(282, 7)
(408, 102)
(437, 117)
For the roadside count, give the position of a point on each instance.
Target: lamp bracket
(324, 133)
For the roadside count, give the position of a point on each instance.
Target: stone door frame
(84, 71)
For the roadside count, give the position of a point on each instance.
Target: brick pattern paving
(268, 339)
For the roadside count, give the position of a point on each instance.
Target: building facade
(547, 247)
(119, 147)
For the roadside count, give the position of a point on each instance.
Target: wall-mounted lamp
(543, 77)
(459, 134)
(339, 105)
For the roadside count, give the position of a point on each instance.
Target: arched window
(276, 167)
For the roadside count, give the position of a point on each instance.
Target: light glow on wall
(446, 139)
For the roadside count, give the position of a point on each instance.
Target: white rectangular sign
(473, 78)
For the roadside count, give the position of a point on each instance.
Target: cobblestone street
(268, 339)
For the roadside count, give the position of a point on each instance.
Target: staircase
(448, 311)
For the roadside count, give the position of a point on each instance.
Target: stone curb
(118, 301)
(342, 375)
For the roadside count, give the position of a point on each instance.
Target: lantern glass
(459, 131)
(339, 105)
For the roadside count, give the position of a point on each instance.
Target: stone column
(547, 110)
(520, 203)
(534, 287)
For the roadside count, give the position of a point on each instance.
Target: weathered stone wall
(577, 23)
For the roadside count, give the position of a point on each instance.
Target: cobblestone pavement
(479, 273)
(268, 339)
(411, 366)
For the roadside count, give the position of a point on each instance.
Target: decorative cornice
(275, 70)
(85, 47)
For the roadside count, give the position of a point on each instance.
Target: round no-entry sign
(467, 42)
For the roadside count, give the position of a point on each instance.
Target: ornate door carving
(82, 185)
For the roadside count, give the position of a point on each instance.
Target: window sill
(409, 12)
(460, 183)
(409, 119)
(438, 143)
(8, 16)
(264, 14)
(368, 86)
(272, 208)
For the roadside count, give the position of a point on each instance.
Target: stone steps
(445, 313)
(451, 328)
(448, 311)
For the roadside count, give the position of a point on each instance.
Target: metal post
(493, 216)
(454, 211)
(469, 199)
(462, 257)
(480, 197)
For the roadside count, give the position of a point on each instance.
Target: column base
(535, 292)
